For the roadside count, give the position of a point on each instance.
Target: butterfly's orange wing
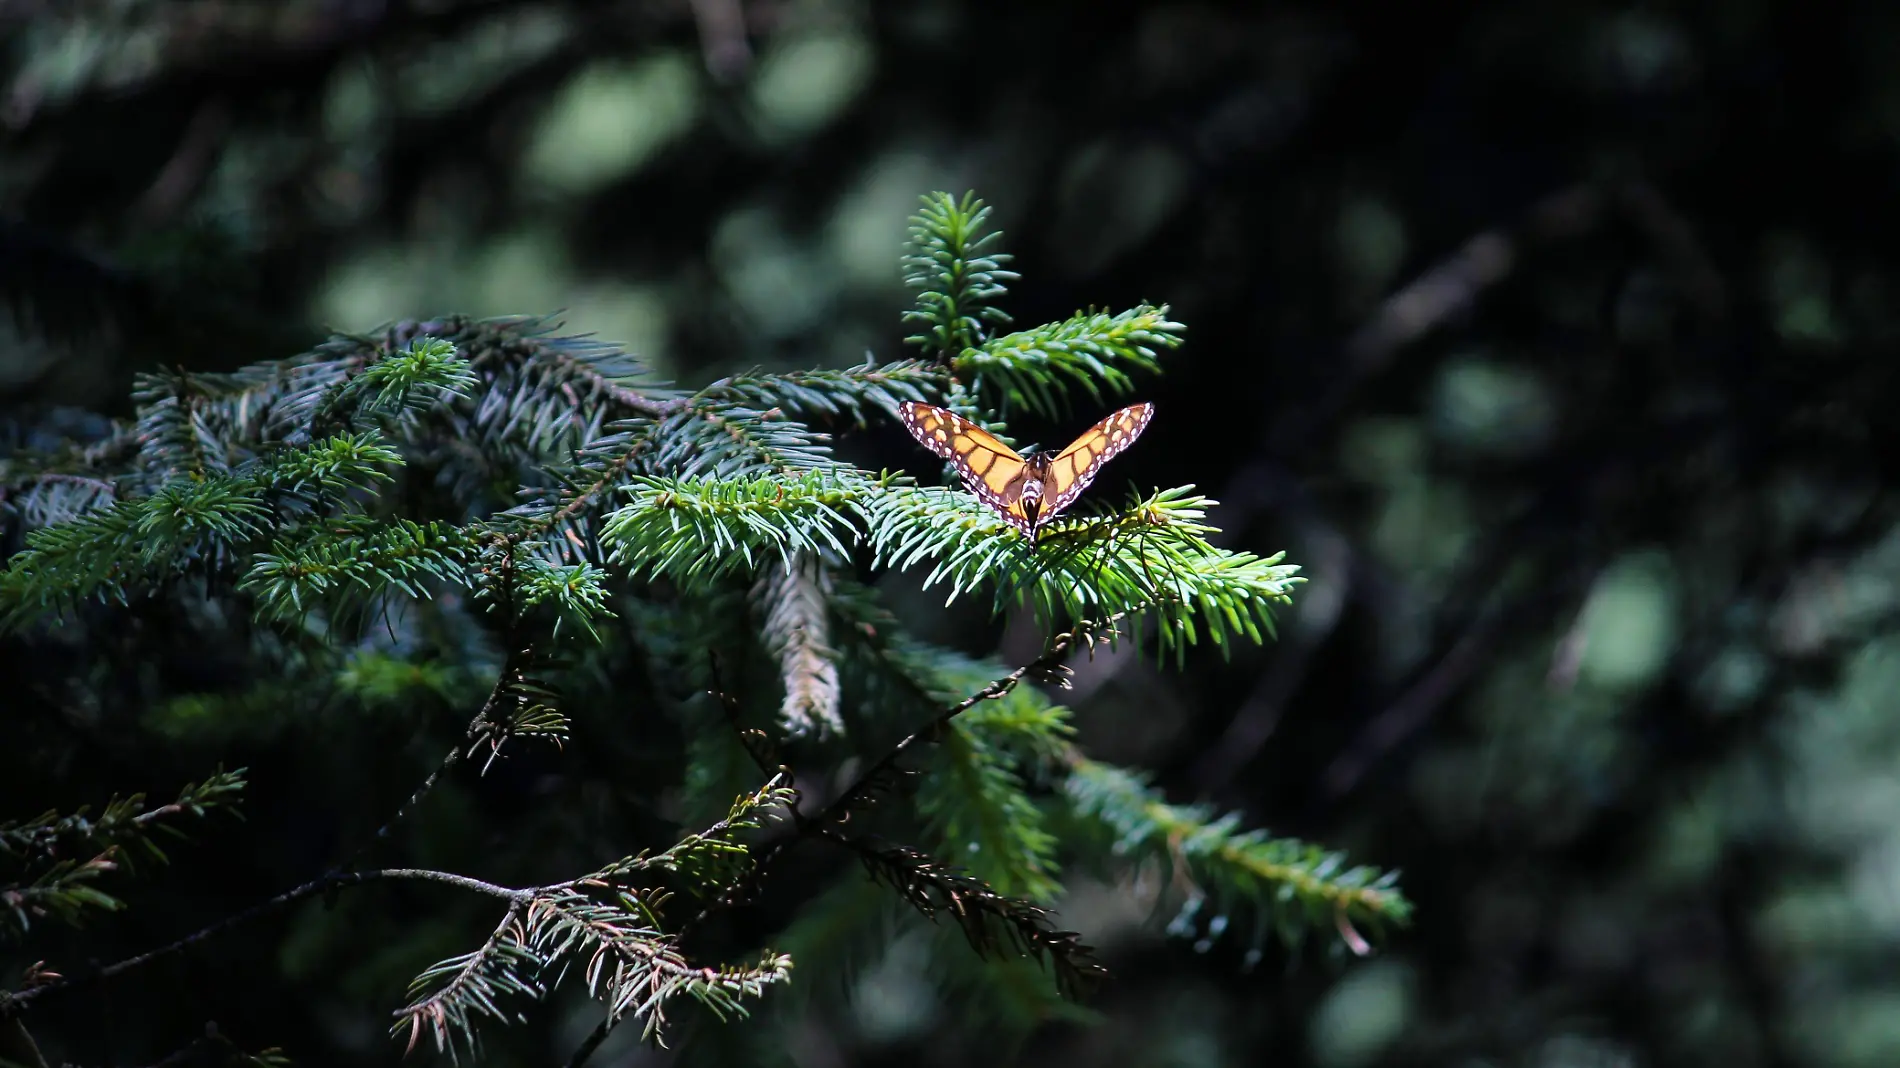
(1075, 467)
(990, 468)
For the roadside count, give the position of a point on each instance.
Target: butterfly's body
(1028, 491)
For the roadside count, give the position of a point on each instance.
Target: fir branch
(695, 529)
(1290, 886)
(44, 498)
(13, 1003)
(758, 745)
(427, 374)
(1085, 632)
(1030, 729)
(725, 440)
(630, 962)
(854, 393)
(123, 822)
(732, 478)
(521, 702)
(734, 869)
(972, 796)
(197, 424)
(951, 263)
(723, 757)
(830, 821)
(718, 989)
(353, 560)
(733, 428)
(64, 891)
(277, 401)
(576, 592)
(534, 394)
(796, 630)
(447, 997)
(990, 921)
(633, 966)
(44, 486)
(514, 699)
(927, 885)
(175, 427)
(1154, 555)
(554, 520)
(1033, 370)
(576, 370)
(125, 829)
(519, 400)
(202, 521)
(974, 803)
(335, 466)
(713, 857)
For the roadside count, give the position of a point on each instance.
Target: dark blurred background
(1557, 341)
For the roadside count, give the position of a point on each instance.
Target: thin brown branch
(838, 811)
(1331, 557)
(584, 499)
(14, 1003)
(1676, 242)
(17, 1045)
(484, 719)
(1403, 717)
(212, 1047)
(825, 824)
(184, 174)
(630, 399)
(756, 743)
(592, 1042)
(1443, 292)
(722, 40)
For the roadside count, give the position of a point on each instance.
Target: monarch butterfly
(1028, 491)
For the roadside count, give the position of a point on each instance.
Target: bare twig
(722, 38)
(17, 1045)
(13, 1003)
(1406, 715)
(1330, 556)
(214, 1047)
(185, 172)
(1059, 648)
(1496, 617)
(756, 743)
(1444, 291)
(483, 724)
(592, 1042)
(1676, 242)
(1440, 294)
